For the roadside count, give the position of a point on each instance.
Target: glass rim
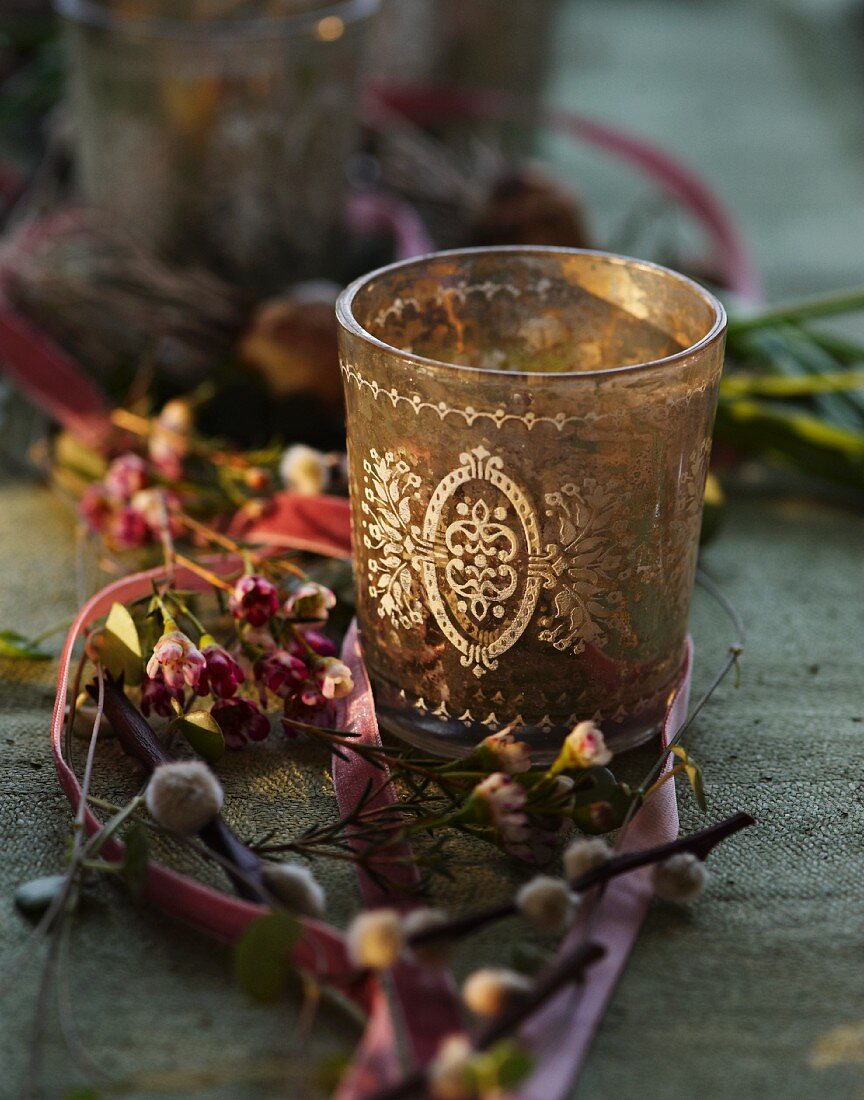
(349, 322)
(94, 14)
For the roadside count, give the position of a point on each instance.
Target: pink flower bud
(254, 599)
(310, 602)
(222, 674)
(503, 752)
(126, 476)
(281, 672)
(240, 721)
(96, 507)
(126, 529)
(156, 696)
(319, 643)
(178, 659)
(333, 678)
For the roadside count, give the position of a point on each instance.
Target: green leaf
(503, 1066)
(35, 896)
(137, 855)
(694, 774)
(19, 648)
(121, 646)
(261, 957)
(600, 802)
(202, 732)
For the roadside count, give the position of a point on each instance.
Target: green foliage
(261, 956)
(601, 802)
(694, 774)
(121, 647)
(503, 1066)
(18, 648)
(202, 732)
(134, 871)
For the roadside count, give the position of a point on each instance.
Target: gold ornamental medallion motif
(479, 529)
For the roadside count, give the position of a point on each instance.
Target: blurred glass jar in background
(501, 44)
(219, 130)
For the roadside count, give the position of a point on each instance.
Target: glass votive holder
(529, 432)
(219, 138)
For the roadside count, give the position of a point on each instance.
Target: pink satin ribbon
(560, 1035)
(321, 949)
(423, 1006)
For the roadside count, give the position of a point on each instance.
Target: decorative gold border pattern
(498, 417)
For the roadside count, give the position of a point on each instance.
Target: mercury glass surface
(529, 433)
(219, 131)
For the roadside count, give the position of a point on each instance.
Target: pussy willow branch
(570, 967)
(138, 740)
(700, 844)
(555, 976)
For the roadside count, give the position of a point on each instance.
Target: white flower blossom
(333, 678)
(502, 803)
(184, 796)
(585, 747)
(510, 755)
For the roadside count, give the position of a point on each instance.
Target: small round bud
(584, 855)
(435, 953)
(375, 939)
(488, 992)
(297, 888)
(546, 902)
(184, 796)
(681, 877)
(448, 1075)
(304, 470)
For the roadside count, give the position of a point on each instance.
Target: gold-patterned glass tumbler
(528, 433)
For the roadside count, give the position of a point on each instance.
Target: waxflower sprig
(165, 470)
(493, 793)
(275, 665)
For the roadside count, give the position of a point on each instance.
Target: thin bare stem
(202, 572)
(700, 844)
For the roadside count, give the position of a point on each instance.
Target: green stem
(56, 629)
(760, 385)
(821, 305)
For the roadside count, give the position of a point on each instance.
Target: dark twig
(138, 739)
(700, 844)
(563, 971)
